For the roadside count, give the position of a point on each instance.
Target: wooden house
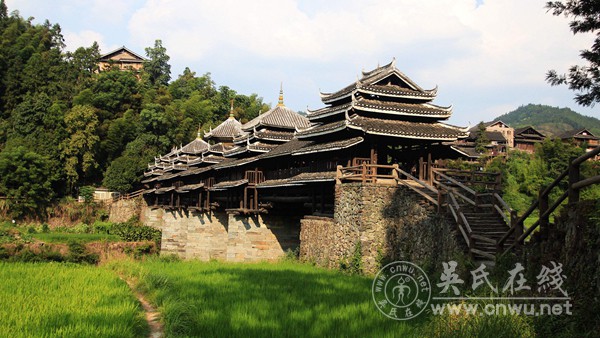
(123, 58)
(526, 138)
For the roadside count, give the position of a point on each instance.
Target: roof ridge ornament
(231, 111)
(280, 103)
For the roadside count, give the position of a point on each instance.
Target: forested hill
(65, 125)
(551, 121)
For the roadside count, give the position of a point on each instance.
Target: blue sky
(486, 57)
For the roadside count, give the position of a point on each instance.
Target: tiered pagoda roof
(384, 102)
(268, 130)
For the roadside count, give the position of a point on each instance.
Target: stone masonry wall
(122, 210)
(218, 235)
(390, 222)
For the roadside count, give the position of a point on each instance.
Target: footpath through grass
(66, 300)
(262, 300)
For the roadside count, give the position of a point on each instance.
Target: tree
(481, 141)
(25, 181)
(158, 67)
(78, 149)
(585, 16)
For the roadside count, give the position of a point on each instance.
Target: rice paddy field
(211, 299)
(66, 300)
(261, 300)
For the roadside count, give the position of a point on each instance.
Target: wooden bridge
(471, 199)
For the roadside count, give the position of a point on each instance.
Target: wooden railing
(128, 196)
(254, 177)
(365, 173)
(542, 204)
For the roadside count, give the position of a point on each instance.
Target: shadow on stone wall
(574, 242)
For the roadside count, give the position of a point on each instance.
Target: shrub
(79, 254)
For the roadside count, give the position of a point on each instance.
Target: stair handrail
(504, 209)
(434, 201)
(457, 183)
(541, 203)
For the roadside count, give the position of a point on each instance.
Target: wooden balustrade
(575, 184)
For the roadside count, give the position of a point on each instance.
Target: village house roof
(122, 54)
(581, 133)
(528, 133)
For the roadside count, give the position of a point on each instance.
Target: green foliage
(353, 265)
(481, 141)
(25, 181)
(78, 149)
(550, 121)
(93, 127)
(585, 16)
(157, 66)
(87, 192)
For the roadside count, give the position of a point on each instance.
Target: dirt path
(152, 315)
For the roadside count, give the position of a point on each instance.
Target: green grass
(64, 300)
(287, 299)
(262, 300)
(57, 237)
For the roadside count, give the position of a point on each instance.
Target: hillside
(551, 121)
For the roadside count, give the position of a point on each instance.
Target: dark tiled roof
(328, 111)
(578, 133)
(372, 77)
(299, 180)
(107, 56)
(228, 184)
(164, 190)
(261, 147)
(195, 147)
(152, 179)
(266, 134)
(219, 148)
(167, 176)
(196, 171)
(322, 129)
(328, 146)
(190, 187)
(286, 148)
(230, 162)
(391, 90)
(236, 150)
(314, 177)
(407, 109)
(528, 133)
(490, 135)
(467, 151)
(406, 129)
(229, 128)
(279, 117)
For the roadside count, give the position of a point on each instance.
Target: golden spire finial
(199, 134)
(280, 103)
(231, 110)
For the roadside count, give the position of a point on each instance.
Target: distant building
(582, 137)
(526, 138)
(123, 58)
(507, 132)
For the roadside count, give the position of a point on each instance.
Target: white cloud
(86, 38)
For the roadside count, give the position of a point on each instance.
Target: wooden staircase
(482, 218)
